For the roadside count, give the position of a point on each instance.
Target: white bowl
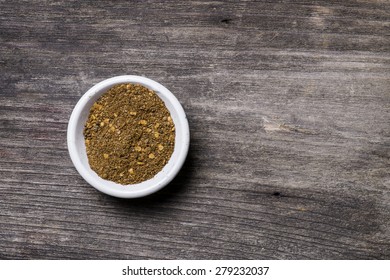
(77, 150)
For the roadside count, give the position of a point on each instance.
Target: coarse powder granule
(129, 134)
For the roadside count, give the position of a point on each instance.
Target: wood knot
(226, 20)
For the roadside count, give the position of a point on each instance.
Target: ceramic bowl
(77, 149)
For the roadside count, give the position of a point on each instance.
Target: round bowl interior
(77, 149)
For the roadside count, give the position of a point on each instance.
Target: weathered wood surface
(289, 110)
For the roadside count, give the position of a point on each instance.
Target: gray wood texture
(289, 111)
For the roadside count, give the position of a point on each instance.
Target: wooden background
(289, 111)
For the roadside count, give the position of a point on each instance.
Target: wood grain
(289, 111)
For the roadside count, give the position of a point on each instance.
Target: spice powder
(129, 134)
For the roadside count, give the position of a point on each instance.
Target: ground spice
(129, 134)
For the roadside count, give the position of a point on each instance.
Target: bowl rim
(146, 187)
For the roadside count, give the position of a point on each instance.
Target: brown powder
(129, 134)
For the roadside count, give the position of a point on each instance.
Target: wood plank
(289, 110)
